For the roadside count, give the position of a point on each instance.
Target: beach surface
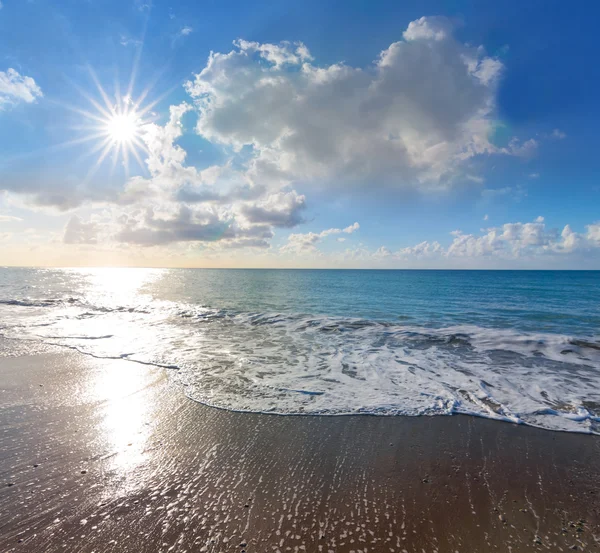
(104, 455)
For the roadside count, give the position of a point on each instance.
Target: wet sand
(110, 456)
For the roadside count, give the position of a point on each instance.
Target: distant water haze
(518, 346)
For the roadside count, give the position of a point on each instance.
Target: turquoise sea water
(521, 346)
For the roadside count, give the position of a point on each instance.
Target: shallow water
(508, 345)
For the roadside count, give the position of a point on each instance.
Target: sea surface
(518, 346)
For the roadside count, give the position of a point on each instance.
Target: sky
(342, 134)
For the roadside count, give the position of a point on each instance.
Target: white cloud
(382, 252)
(421, 250)
(301, 243)
(280, 210)
(352, 228)
(593, 233)
(180, 203)
(79, 232)
(16, 88)
(534, 175)
(127, 41)
(558, 134)
(429, 28)
(279, 55)
(485, 217)
(185, 31)
(412, 118)
(305, 243)
(521, 149)
(9, 219)
(511, 241)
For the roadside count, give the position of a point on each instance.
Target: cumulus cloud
(424, 107)
(593, 233)
(307, 242)
(16, 88)
(429, 28)
(415, 117)
(185, 225)
(280, 210)
(509, 241)
(180, 203)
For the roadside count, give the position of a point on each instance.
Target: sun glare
(116, 124)
(123, 128)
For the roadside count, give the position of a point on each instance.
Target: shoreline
(126, 462)
(313, 414)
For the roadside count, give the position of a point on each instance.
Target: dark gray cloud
(184, 226)
(190, 225)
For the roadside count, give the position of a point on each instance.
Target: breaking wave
(289, 363)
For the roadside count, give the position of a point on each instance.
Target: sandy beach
(109, 456)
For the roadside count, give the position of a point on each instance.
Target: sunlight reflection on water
(126, 414)
(120, 286)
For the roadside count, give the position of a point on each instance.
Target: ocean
(516, 346)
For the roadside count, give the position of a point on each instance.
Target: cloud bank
(509, 242)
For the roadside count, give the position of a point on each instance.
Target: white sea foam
(297, 364)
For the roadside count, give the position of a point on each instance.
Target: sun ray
(137, 157)
(94, 168)
(83, 112)
(136, 65)
(142, 112)
(117, 120)
(105, 97)
(152, 83)
(75, 141)
(140, 145)
(115, 158)
(125, 154)
(92, 101)
(118, 126)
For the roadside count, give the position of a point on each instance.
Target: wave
(294, 364)
(50, 302)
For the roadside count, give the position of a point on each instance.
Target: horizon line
(285, 268)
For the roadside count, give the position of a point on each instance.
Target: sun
(123, 128)
(117, 123)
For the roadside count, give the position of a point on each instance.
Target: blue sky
(456, 134)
